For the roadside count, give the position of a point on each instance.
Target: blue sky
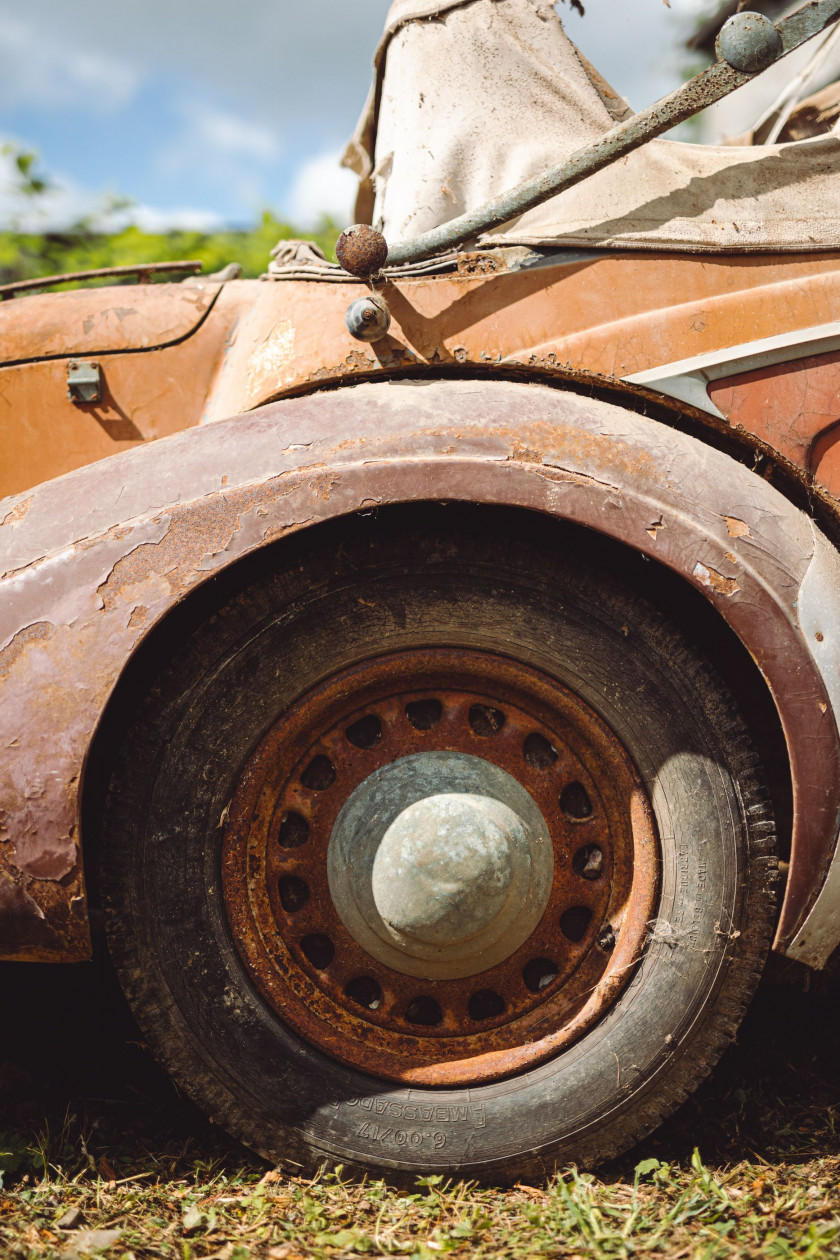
(205, 111)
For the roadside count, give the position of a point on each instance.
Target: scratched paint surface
(145, 396)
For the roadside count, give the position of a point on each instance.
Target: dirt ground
(101, 1155)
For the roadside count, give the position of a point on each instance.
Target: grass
(749, 1168)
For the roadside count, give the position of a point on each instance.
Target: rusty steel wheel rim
(286, 890)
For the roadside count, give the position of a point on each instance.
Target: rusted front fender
(91, 561)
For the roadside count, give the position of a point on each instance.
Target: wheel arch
(681, 602)
(167, 519)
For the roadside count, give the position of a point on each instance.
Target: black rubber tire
(316, 611)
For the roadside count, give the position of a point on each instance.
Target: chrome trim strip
(688, 379)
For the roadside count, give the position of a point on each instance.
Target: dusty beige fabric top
(473, 96)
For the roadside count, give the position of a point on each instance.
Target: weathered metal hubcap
(438, 867)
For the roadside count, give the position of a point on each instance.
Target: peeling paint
(274, 355)
(17, 513)
(41, 852)
(20, 912)
(711, 578)
(39, 632)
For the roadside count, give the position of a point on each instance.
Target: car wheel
(437, 851)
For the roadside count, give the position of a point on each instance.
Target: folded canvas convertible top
(473, 96)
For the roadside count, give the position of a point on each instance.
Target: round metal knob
(361, 250)
(368, 318)
(749, 42)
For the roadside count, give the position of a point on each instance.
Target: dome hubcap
(440, 865)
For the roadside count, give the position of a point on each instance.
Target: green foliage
(25, 255)
(29, 182)
(18, 1157)
(87, 246)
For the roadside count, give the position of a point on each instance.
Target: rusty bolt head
(368, 318)
(361, 250)
(749, 42)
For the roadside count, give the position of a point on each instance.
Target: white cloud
(222, 133)
(186, 218)
(320, 186)
(220, 148)
(52, 73)
(283, 64)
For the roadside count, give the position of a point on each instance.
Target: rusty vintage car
(430, 673)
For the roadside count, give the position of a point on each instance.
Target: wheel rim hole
(365, 992)
(318, 950)
(574, 922)
(294, 831)
(538, 974)
(425, 1011)
(575, 802)
(319, 774)
(294, 893)
(538, 752)
(486, 1004)
(486, 721)
(588, 862)
(424, 714)
(366, 733)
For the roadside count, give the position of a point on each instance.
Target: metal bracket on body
(84, 382)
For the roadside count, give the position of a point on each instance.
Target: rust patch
(525, 454)
(716, 581)
(197, 531)
(361, 250)
(273, 356)
(323, 484)
(39, 632)
(41, 921)
(737, 528)
(17, 513)
(481, 263)
(21, 916)
(356, 361)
